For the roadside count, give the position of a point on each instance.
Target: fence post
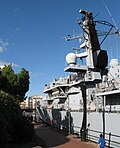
(109, 140)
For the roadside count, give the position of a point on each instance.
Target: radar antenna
(73, 37)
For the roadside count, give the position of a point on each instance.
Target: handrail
(92, 134)
(108, 140)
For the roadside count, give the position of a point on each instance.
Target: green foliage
(9, 112)
(23, 82)
(13, 126)
(14, 84)
(23, 130)
(4, 83)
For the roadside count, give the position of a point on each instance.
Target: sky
(32, 35)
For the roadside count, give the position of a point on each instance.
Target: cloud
(2, 63)
(1, 49)
(16, 9)
(36, 74)
(15, 65)
(17, 29)
(3, 45)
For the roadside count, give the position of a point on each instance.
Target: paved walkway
(55, 139)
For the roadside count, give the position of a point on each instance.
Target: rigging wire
(110, 15)
(113, 23)
(111, 54)
(116, 46)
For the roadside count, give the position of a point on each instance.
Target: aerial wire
(111, 55)
(110, 15)
(117, 47)
(112, 21)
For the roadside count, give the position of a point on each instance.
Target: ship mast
(91, 43)
(90, 73)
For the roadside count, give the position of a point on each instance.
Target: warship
(87, 101)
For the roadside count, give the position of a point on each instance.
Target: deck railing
(93, 135)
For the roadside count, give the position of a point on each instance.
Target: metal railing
(111, 140)
(95, 136)
(108, 138)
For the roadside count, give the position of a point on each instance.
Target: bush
(4, 136)
(8, 111)
(13, 125)
(23, 130)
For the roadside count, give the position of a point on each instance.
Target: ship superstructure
(89, 96)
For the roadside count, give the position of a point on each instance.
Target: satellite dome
(113, 63)
(71, 58)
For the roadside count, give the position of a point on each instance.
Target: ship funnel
(71, 59)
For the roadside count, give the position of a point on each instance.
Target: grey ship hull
(71, 122)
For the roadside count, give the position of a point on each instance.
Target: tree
(3, 82)
(10, 78)
(13, 125)
(23, 82)
(9, 112)
(14, 84)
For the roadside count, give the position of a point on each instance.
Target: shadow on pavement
(51, 136)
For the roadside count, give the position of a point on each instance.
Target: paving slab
(56, 139)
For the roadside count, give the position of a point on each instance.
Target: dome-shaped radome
(71, 58)
(113, 63)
